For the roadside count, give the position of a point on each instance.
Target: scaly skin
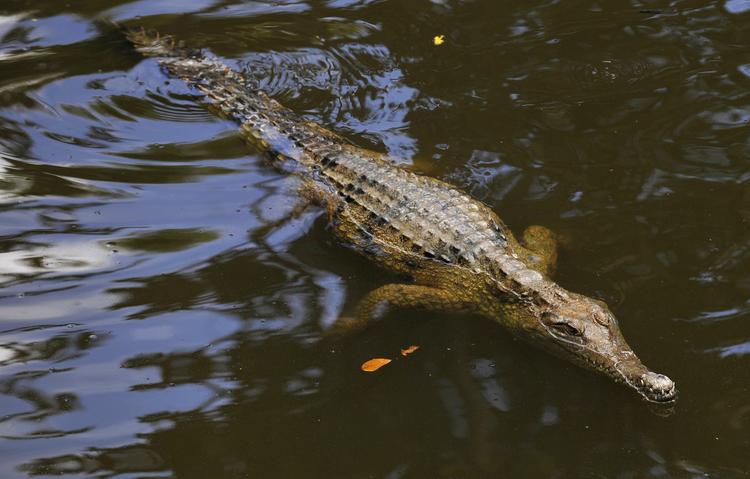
(461, 256)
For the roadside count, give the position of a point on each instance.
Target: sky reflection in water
(154, 325)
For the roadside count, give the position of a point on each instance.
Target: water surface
(159, 318)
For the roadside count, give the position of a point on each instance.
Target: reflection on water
(162, 315)
(372, 106)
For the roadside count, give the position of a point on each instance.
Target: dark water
(152, 326)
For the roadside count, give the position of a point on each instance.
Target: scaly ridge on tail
(152, 44)
(265, 122)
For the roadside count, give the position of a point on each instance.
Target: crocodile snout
(656, 387)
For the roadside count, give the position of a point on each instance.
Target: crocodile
(458, 253)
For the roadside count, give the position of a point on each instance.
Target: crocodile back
(418, 216)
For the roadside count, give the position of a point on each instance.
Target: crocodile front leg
(379, 302)
(541, 243)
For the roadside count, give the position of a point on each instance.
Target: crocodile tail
(151, 44)
(263, 121)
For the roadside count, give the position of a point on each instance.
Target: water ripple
(364, 89)
(156, 291)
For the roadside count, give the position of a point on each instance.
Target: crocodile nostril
(660, 387)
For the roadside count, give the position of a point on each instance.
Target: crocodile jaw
(622, 366)
(654, 387)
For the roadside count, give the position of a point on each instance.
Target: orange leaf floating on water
(438, 40)
(409, 350)
(374, 364)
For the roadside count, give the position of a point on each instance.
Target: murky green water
(152, 327)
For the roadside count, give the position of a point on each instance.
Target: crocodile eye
(566, 329)
(560, 325)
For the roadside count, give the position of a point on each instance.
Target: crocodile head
(586, 332)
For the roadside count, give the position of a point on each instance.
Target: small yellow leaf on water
(439, 39)
(409, 350)
(374, 364)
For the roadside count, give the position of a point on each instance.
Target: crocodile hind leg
(541, 244)
(380, 301)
